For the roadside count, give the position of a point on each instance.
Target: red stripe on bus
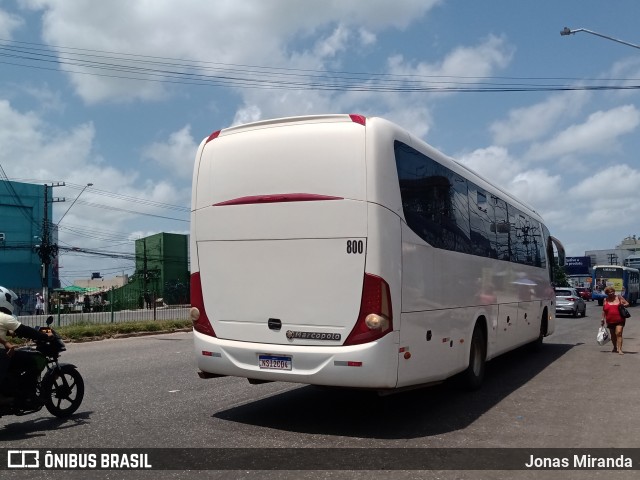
(277, 198)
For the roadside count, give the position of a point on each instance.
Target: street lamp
(568, 31)
(73, 203)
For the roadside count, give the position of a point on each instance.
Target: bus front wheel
(544, 322)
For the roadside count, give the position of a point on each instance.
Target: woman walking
(611, 314)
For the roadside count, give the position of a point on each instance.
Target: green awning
(72, 289)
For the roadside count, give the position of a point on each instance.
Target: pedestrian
(147, 300)
(611, 315)
(39, 304)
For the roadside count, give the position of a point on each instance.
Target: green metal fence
(98, 307)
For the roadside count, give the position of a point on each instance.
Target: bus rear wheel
(473, 376)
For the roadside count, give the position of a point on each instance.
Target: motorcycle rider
(9, 323)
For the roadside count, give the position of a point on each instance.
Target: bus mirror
(560, 249)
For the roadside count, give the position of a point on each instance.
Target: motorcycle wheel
(63, 391)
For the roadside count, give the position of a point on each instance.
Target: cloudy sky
(120, 93)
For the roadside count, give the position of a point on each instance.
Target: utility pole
(145, 274)
(47, 251)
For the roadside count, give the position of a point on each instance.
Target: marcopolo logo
(23, 459)
(292, 335)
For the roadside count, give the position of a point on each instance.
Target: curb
(125, 335)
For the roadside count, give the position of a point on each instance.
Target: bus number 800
(355, 246)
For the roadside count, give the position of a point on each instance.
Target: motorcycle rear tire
(63, 391)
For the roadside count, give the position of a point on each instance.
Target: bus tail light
(197, 313)
(361, 119)
(375, 319)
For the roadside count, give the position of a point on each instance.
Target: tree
(559, 275)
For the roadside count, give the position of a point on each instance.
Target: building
(161, 275)
(25, 213)
(630, 244)
(163, 258)
(102, 283)
(162, 268)
(616, 256)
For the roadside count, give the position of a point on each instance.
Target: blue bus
(625, 280)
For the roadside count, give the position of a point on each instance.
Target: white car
(569, 302)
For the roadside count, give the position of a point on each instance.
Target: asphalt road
(144, 392)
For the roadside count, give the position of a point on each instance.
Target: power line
(125, 198)
(106, 193)
(172, 70)
(139, 200)
(117, 209)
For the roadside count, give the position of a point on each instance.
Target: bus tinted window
(434, 200)
(483, 238)
(528, 242)
(609, 272)
(502, 227)
(450, 212)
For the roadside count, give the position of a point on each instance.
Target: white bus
(341, 250)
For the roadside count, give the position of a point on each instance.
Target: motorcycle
(36, 379)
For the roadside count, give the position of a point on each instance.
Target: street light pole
(568, 31)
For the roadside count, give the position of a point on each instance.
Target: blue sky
(568, 151)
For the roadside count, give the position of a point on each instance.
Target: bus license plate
(275, 362)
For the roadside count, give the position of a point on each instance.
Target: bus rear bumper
(371, 365)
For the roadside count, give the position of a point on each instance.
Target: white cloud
(469, 61)
(176, 154)
(622, 179)
(48, 153)
(598, 134)
(247, 114)
(44, 151)
(335, 43)
(482, 60)
(367, 37)
(47, 99)
(493, 163)
(629, 69)
(411, 110)
(538, 187)
(9, 22)
(604, 201)
(408, 110)
(252, 32)
(532, 122)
